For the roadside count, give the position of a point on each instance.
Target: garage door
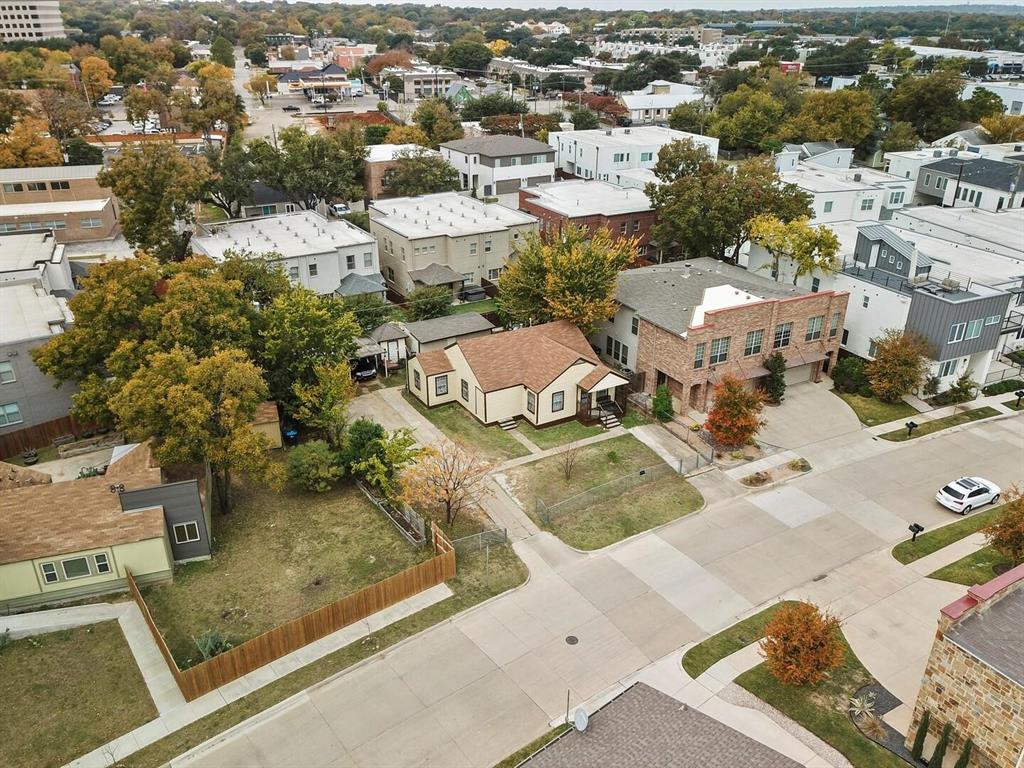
(799, 374)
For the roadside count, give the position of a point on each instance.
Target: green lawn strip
(1013, 405)
(558, 434)
(615, 513)
(821, 709)
(928, 427)
(68, 693)
(932, 541)
(702, 656)
(491, 443)
(635, 418)
(276, 557)
(480, 576)
(974, 569)
(49, 453)
(541, 741)
(486, 305)
(871, 411)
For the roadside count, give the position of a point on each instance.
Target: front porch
(601, 398)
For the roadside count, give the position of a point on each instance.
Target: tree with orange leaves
(735, 417)
(446, 479)
(801, 645)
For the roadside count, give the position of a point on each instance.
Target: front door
(584, 409)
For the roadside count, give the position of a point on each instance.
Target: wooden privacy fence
(37, 436)
(288, 637)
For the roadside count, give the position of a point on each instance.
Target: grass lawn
(210, 214)
(608, 519)
(963, 417)
(521, 754)
(932, 541)
(871, 411)
(276, 557)
(49, 453)
(479, 577)
(486, 305)
(715, 648)
(1013, 406)
(67, 693)
(973, 569)
(491, 443)
(559, 434)
(821, 709)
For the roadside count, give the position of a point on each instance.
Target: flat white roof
(446, 213)
(28, 312)
(378, 153)
(55, 209)
(50, 173)
(721, 297)
(24, 251)
(815, 180)
(1003, 228)
(589, 198)
(303, 233)
(639, 176)
(631, 137)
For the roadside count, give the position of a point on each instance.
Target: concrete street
(472, 690)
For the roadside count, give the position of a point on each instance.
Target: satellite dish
(580, 720)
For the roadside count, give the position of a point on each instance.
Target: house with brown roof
(544, 374)
(68, 540)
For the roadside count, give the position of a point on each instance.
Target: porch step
(508, 424)
(610, 420)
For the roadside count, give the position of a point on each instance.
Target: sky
(682, 5)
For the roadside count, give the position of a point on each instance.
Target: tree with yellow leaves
(499, 46)
(407, 134)
(25, 146)
(262, 86)
(808, 249)
(97, 77)
(445, 481)
(568, 276)
(1004, 128)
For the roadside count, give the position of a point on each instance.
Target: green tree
(1006, 533)
(847, 116)
(389, 455)
(66, 113)
(233, 175)
(199, 410)
(361, 440)
(323, 405)
(313, 466)
(79, 152)
(222, 52)
(930, 103)
(775, 381)
(690, 116)
(964, 760)
(256, 53)
(583, 119)
(303, 330)
(900, 364)
(943, 744)
(922, 733)
(493, 104)
(467, 55)
(661, 404)
(12, 108)
(900, 137)
(427, 302)
(418, 172)
(158, 188)
(370, 311)
(983, 103)
(808, 250)
(437, 121)
(260, 275)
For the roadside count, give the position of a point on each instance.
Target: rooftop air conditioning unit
(857, 177)
(937, 153)
(950, 284)
(919, 279)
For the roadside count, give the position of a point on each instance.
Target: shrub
(1006, 533)
(661, 405)
(900, 364)
(965, 755)
(965, 389)
(800, 644)
(922, 733)
(849, 375)
(800, 465)
(931, 386)
(1002, 387)
(212, 643)
(775, 381)
(940, 749)
(313, 466)
(735, 417)
(362, 440)
(5, 639)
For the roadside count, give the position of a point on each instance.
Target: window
(947, 368)
(441, 385)
(350, 261)
(75, 568)
(977, 200)
(622, 227)
(101, 562)
(620, 157)
(557, 401)
(865, 301)
(608, 345)
(416, 379)
(487, 246)
(186, 532)
(928, 180)
(867, 204)
(814, 328)
(268, 210)
(990, 320)
(36, 186)
(872, 348)
(493, 274)
(49, 573)
(464, 387)
(956, 333)
(698, 355)
(472, 249)
(289, 207)
(833, 327)
(531, 402)
(60, 185)
(634, 328)
(7, 373)
(55, 224)
(846, 337)
(719, 350)
(616, 349)
(539, 159)
(624, 355)
(91, 223)
(782, 336)
(8, 227)
(815, 284)
(752, 345)
(10, 414)
(312, 270)
(636, 225)
(368, 260)
(391, 274)
(293, 273)
(828, 206)
(646, 157)
(13, 188)
(896, 198)
(974, 328)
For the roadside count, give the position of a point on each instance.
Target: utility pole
(956, 191)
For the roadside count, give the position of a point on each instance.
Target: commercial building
(446, 239)
(1012, 94)
(421, 80)
(503, 66)
(592, 205)
(601, 153)
(687, 324)
(72, 221)
(698, 34)
(35, 20)
(329, 256)
(655, 102)
(51, 184)
(496, 165)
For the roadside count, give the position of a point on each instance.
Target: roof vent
(937, 153)
(857, 177)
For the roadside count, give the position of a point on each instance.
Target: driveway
(809, 414)
(470, 691)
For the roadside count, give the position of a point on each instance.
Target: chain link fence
(404, 518)
(476, 541)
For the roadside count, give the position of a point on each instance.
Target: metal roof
(498, 146)
(50, 173)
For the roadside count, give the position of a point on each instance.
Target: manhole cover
(572, 639)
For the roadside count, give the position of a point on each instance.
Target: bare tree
(448, 479)
(567, 459)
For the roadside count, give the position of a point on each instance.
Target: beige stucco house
(544, 374)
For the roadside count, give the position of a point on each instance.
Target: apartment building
(908, 164)
(446, 239)
(421, 80)
(601, 153)
(971, 181)
(329, 256)
(505, 65)
(496, 165)
(71, 222)
(35, 20)
(686, 325)
(592, 205)
(51, 184)
(673, 35)
(850, 194)
(654, 102)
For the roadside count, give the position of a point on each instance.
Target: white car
(967, 493)
(340, 209)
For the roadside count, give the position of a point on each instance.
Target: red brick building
(594, 205)
(686, 325)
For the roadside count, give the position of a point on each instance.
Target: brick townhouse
(687, 325)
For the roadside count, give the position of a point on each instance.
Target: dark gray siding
(862, 251)
(38, 399)
(932, 317)
(181, 504)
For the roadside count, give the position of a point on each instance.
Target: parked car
(291, 108)
(472, 293)
(364, 370)
(339, 209)
(967, 493)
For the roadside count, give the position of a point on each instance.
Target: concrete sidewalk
(992, 401)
